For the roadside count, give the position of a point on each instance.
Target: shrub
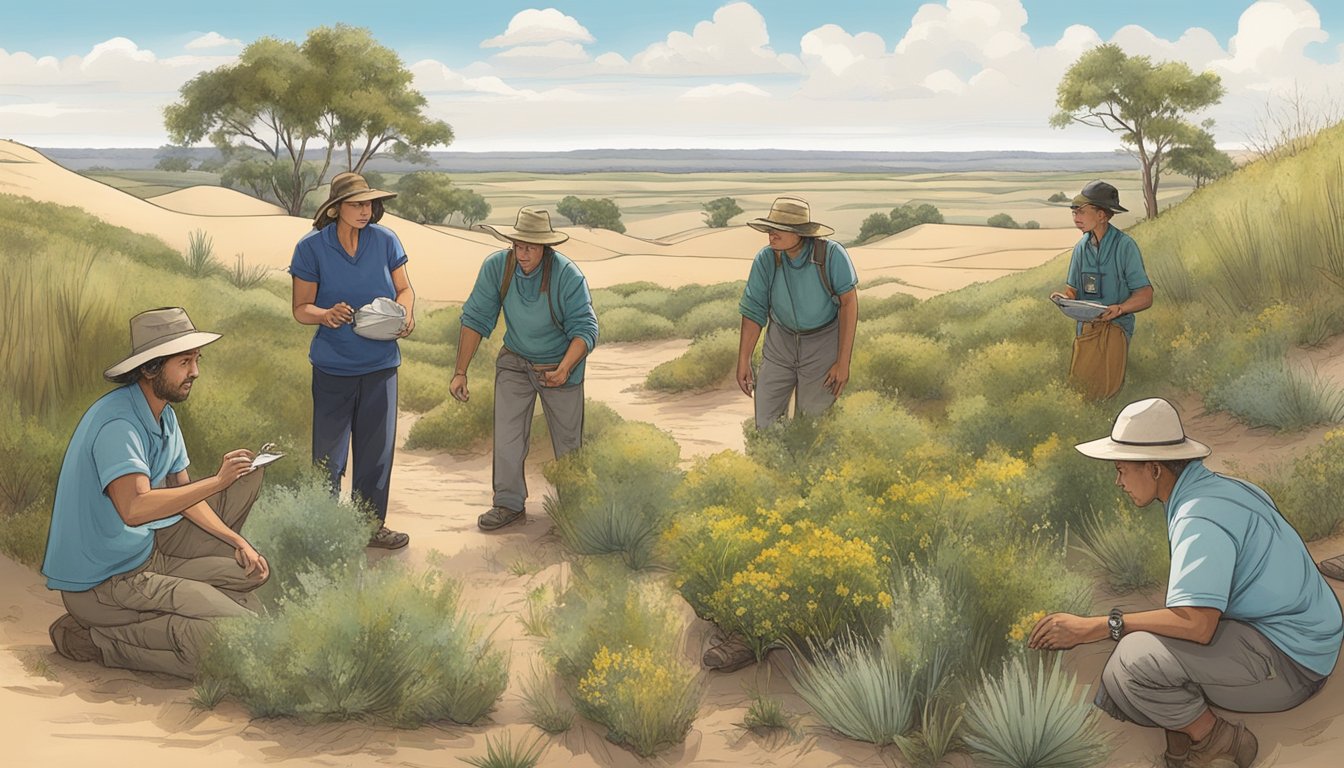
(708, 317)
(1131, 549)
(1058, 197)
(766, 713)
(454, 426)
(1002, 371)
(911, 365)
(388, 645)
(709, 360)
(422, 387)
(1003, 220)
(605, 605)
(613, 494)
(1034, 719)
(646, 701)
(859, 691)
(543, 705)
(23, 534)
(1272, 394)
(633, 324)
(651, 300)
(1308, 495)
(306, 535)
(718, 211)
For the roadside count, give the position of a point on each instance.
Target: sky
(883, 75)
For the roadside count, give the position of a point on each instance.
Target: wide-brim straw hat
(160, 332)
(1100, 194)
(347, 187)
(790, 214)
(533, 226)
(1148, 430)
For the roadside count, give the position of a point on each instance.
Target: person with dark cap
(1248, 624)
(1106, 268)
(347, 262)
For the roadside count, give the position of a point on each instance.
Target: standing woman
(347, 261)
(550, 329)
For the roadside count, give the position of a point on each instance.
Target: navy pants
(358, 411)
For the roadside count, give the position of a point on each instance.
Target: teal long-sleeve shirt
(793, 293)
(529, 328)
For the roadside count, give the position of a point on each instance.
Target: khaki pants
(517, 388)
(1159, 681)
(156, 618)
(795, 365)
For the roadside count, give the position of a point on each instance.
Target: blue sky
(948, 74)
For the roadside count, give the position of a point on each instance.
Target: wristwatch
(1116, 623)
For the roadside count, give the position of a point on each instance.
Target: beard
(164, 392)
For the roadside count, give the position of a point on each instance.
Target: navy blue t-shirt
(319, 258)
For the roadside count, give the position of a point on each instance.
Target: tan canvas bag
(1099, 354)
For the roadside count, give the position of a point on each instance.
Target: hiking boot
(386, 538)
(497, 518)
(1178, 749)
(1226, 743)
(729, 656)
(73, 641)
(1334, 567)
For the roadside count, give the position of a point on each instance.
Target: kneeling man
(143, 557)
(1250, 625)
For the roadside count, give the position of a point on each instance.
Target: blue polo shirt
(793, 294)
(1113, 270)
(529, 328)
(1232, 550)
(117, 436)
(319, 258)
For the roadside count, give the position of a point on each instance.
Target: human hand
(744, 378)
(234, 465)
(458, 388)
(836, 378)
(408, 327)
(338, 315)
(1062, 631)
(1112, 312)
(251, 561)
(554, 378)
(1058, 295)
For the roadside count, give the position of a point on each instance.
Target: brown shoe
(73, 641)
(1334, 567)
(386, 538)
(498, 517)
(1178, 749)
(729, 656)
(1225, 743)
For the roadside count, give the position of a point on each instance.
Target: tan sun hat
(790, 214)
(1148, 430)
(533, 226)
(346, 187)
(160, 333)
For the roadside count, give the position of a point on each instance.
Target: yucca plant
(200, 256)
(1034, 718)
(858, 690)
(938, 734)
(504, 753)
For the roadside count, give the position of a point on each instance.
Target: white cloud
(539, 27)
(213, 40)
(734, 42)
(435, 79)
(551, 52)
(721, 91)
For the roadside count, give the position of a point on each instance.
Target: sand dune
(215, 201)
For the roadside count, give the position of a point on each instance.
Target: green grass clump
(200, 255)
(1034, 718)
(767, 713)
(633, 324)
(858, 690)
(706, 318)
(545, 704)
(913, 366)
(1130, 548)
(1272, 394)
(504, 752)
(388, 645)
(709, 360)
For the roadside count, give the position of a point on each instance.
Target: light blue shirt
(793, 294)
(89, 543)
(1114, 269)
(529, 328)
(1232, 550)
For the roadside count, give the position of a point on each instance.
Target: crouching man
(143, 557)
(1250, 625)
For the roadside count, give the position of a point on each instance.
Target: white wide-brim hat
(1148, 430)
(791, 214)
(533, 226)
(160, 332)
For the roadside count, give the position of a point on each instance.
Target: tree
(425, 197)
(591, 212)
(339, 90)
(174, 163)
(720, 210)
(1145, 103)
(470, 205)
(901, 218)
(1200, 159)
(1058, 197)
(1003, 220)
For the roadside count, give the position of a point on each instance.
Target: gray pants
(517, 386)
(156, 618)
(792, 362)
(1158, 681)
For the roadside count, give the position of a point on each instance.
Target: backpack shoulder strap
(510, 264)
(819, 247)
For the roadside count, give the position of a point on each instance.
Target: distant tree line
(901, 218)
(429, 197)
(598, 213)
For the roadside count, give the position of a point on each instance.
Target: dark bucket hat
(1102, 195)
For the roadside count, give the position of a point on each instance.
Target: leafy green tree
(1032, 224)
(901, 218)
(340, 90)
(1199, 159)
(876, 225)
(1145, 103)
(425, 197)
(720, 210)
(1003, 220)
(596, 213)
(1058, 197)
(174, 163)
(470, 206)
